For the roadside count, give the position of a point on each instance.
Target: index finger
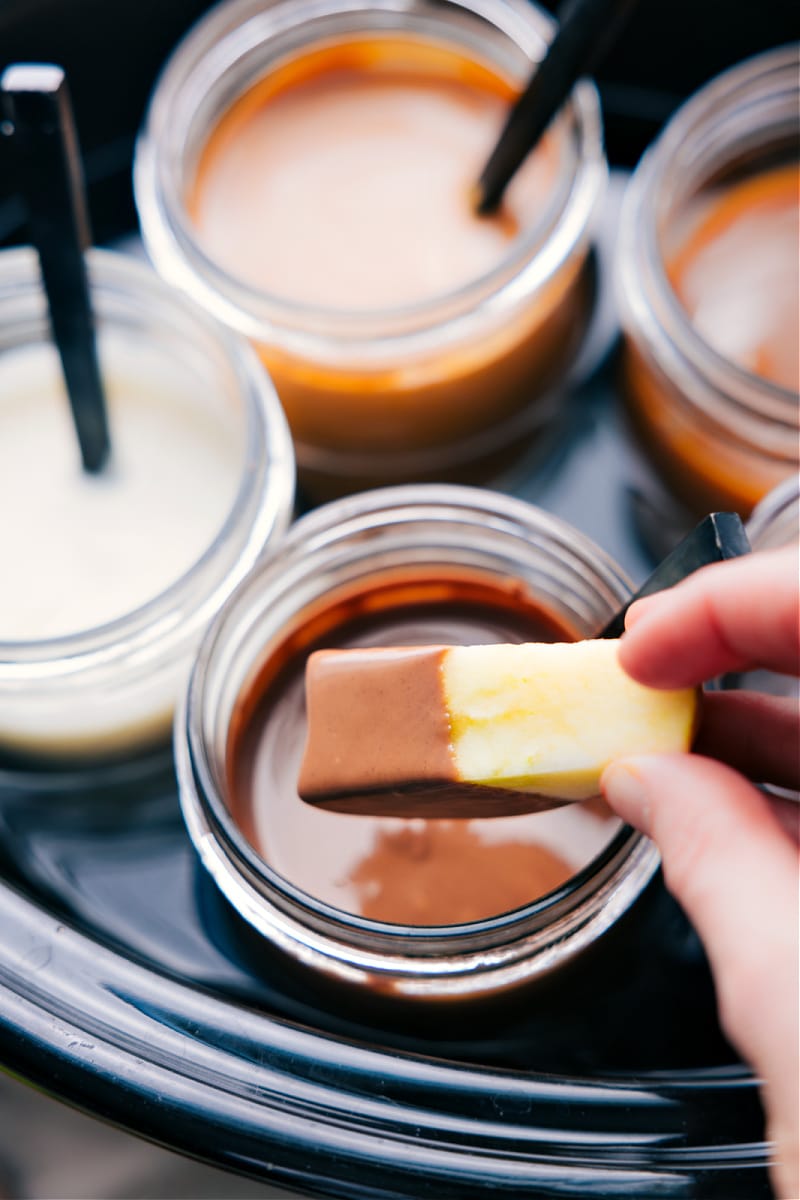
(731, 616)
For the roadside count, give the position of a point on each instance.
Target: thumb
(735, 872)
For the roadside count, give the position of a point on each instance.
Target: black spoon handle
(586, 28)
(38, 118)
(718, 537)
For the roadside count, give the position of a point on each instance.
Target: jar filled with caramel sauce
(709, 278)
(418, 910)
(306, 171)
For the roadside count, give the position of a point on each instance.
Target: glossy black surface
(119, 867)
(127, 987)
(123, 989)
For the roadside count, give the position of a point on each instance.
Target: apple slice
(477, 730)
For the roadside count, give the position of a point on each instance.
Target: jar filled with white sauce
(109, 579)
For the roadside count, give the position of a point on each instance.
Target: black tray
(126, 989)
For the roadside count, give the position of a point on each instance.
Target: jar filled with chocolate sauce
(708, 280)
(416, 910)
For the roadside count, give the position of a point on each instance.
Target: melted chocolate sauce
(415, 872)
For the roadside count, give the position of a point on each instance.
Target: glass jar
(775, 520)
(355, 544)
(775, 523)
(109, 686)
(719, 436)
(431, 390)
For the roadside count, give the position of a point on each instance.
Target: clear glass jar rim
(172, 243)
(125, 276)
(781, 504)
(647, 273)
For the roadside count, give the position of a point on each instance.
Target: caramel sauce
(416, 872)
(736, 271)
(342, 182)
(343, 178)
(737, 275)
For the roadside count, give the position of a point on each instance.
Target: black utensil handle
(718, 537)
(585, 30)
(38, 118)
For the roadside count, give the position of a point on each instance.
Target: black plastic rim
(261, 1096)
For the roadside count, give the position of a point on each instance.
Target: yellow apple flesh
(548, 718)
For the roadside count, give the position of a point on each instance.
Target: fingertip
(658, 652)
(726, 616)
(636, 654)
(624, 785)
(639, 609)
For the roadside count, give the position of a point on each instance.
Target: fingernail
(625, 791)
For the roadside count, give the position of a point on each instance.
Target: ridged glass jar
(719, 436)
(775, 521)
(111, 689)
(353, 543)
(432, 390)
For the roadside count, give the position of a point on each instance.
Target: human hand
(729, 852)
